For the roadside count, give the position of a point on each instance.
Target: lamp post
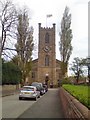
(88, 64)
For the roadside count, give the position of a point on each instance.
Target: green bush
(66, 81)
(11, 74)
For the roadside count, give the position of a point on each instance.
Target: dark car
(45, 87)
(39, 87)
(42, 87)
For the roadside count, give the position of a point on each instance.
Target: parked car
(39, 87)
(45, 87)
(29, 92)
(42, 87)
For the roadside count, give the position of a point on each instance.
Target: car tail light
(34, 90)
(21, 89)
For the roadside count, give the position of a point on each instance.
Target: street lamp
(88, 64)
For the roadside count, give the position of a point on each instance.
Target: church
(46, 68)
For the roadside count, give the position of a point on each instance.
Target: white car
(29, 92)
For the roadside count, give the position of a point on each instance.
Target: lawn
(80, 92)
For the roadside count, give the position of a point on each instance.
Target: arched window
(46, 60)
(47, 38)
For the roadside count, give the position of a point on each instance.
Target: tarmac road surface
(12, 107)
(48, 106)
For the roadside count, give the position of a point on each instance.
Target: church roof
(36, 60)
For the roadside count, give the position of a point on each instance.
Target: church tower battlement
(47, 27)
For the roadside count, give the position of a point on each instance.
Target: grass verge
(80, 92)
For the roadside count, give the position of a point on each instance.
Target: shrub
(11, 74)
(66, 81)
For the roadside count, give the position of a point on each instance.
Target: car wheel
(39, 96)
(20, 98)
(35, 98)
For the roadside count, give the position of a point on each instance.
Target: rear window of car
(28, 89)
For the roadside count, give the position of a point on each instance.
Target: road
(48, 106)
(13, 108)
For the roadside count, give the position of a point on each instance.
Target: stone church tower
(46, 68)
(47, 55)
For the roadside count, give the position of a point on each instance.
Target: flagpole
(46, 21)
(48, 16)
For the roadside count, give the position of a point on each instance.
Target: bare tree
(25, 43)
(65, 40)
(77, 67)
(8, 17)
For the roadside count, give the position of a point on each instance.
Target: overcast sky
(79, 11)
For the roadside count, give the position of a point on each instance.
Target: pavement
(4, 93)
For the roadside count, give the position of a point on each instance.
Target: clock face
(46, 49)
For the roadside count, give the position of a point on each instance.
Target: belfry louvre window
(47, 38)
(46, 60)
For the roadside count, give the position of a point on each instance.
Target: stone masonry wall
(73, 108)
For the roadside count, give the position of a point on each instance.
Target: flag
(49, 15)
